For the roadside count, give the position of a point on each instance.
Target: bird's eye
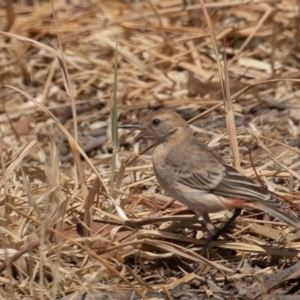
(155, 122)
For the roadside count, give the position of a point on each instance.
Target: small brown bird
(193, 174)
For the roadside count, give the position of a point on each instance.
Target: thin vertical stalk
(114, 130)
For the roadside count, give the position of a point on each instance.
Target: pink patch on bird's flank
(233, 203)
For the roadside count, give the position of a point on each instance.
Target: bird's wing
(236, 185)
(202, 169)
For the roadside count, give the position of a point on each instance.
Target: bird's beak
(131, 126)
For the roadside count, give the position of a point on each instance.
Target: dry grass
(58, 236)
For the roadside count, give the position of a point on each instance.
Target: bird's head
(161, 124)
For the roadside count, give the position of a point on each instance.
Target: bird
(192, 173)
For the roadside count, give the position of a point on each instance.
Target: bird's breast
(159, 156)
(159, 166)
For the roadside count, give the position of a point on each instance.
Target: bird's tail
(279, 213)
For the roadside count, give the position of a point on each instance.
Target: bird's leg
(236, 213)
(213, 233)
